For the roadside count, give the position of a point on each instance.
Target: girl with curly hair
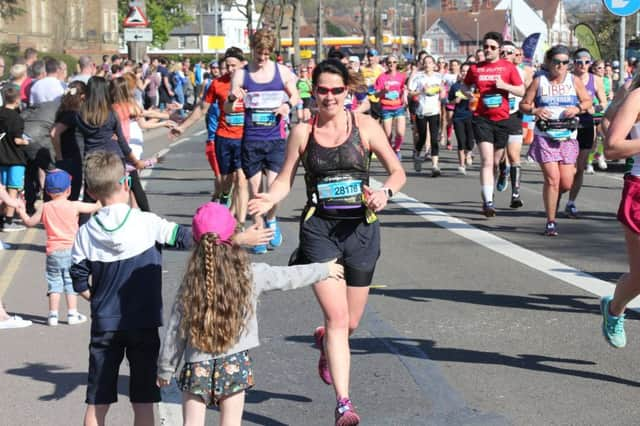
(213, 322)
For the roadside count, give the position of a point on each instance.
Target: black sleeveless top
(334, 177)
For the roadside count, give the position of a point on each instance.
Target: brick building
(74, 27)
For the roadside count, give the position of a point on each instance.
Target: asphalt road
(471, 320)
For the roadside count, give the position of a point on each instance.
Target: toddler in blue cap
(60, 219)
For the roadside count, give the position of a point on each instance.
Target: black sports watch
(232, 98)
(388, 192)
(290, 106)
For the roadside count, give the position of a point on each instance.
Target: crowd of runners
(74, 147)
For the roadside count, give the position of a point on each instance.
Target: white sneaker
(14, 322)
(462, 170)
(76, 319)
(589, 170)
(13, 227)
(602, 163)
(52, 320)
(469, 160)
(4, 246)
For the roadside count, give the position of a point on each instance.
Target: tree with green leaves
(9, 9)
(163, 15)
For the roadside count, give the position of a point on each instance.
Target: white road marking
(551, 267)
(200, 133)
(178, 142)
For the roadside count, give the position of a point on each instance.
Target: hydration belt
(559, 130)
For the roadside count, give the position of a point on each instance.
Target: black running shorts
(495, 132)
(354, 242)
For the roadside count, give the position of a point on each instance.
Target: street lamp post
(477, 32)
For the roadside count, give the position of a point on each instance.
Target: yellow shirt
(371, 74)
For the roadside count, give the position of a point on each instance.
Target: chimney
(475, 6)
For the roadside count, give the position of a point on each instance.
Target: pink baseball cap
(213, 218)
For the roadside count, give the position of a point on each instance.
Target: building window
(182, 42)
(114, 23)
(44, 28)
(211, 7)
(81, 20)
(73, 18)
(105, 21)
(34, 16)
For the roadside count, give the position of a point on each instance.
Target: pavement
(471, 321)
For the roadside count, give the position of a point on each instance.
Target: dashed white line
(178, 142)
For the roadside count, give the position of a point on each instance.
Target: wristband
(290, 106)
(388, 192)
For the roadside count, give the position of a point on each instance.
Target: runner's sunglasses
(322, 90)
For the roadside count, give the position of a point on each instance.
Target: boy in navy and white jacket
(120, 249)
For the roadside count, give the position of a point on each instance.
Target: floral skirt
(544, 150)
(216, 379)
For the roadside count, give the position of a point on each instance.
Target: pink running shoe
(323, 364)
(345, 414)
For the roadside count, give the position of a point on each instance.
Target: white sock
(72, 312)
(53, 313)
(487, 193)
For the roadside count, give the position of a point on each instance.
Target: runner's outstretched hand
(261, 204)
(175, 131)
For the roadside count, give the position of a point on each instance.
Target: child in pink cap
(213, 322)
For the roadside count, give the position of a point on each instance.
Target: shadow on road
(64, 382)
(259, 396)
(536, 302)
(429, 350)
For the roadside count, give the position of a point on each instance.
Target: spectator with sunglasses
(587, 131)
(495, 79)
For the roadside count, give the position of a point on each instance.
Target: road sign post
(622, 8)
(136, 33)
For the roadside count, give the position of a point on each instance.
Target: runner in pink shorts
(624, 114)
(556, 98)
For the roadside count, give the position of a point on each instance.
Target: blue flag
(529, 46)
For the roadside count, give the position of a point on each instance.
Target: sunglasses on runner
(490, 47)
(555, 61)
(322, 90)
(585, 62)
(507, 52)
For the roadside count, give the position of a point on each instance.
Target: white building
(212, 33)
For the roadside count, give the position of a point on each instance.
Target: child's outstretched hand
(335, 269)
(160, 382)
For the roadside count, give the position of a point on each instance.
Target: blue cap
(373, 52)
(57, 181)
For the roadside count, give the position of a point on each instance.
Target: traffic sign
(622, 7)
(135, 18)
(138, 34)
